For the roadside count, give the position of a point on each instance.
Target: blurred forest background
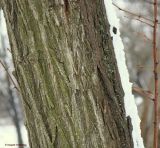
(12, 129)
(137, 39)
(137, 35)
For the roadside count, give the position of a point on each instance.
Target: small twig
(133, 14)
(143, 68)
(9, 50)
(144, 36)
(143, 93)
(9, 75)
(144, 22)
(137, 19)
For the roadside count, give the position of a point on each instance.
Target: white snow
(139, 100)
(3, 30)
(130, 106)
(8, 136)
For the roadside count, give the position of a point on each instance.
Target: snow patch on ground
(130, 106)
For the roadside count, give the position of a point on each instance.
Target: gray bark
(67, 72)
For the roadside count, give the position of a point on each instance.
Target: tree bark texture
(67, 72)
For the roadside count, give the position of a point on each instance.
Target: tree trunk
(67, 72)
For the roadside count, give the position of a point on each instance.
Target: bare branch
(143, 93)
(137, 19)
(133, 14)
(9, 75)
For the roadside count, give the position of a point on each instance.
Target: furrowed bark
(66, 69)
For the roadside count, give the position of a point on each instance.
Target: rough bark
(66, 69)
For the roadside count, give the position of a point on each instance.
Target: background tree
(66, 69)
(137, 39)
